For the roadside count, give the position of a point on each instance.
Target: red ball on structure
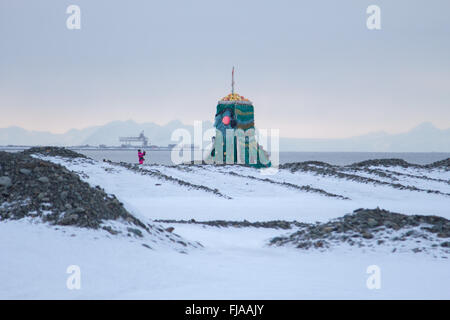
(226, 120)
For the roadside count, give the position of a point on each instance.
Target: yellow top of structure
(234, 97)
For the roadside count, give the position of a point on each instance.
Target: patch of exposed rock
(54, 152)
(373, 227)
(384, 163)
(305, 165)
(394, 162)
(444, 164)
(33, 187)
(275, 224)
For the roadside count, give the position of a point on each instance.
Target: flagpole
(232, 81)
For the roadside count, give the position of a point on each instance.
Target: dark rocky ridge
(54, 152)
(385, 163)
(348, 172)
(33, 187)
(365, 224)
(274, 224)
(445, 164)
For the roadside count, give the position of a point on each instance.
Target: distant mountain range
(107, 134)
(423, 138)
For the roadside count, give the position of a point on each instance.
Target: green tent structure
(235, 140)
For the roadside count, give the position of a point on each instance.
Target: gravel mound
(369, 227)
(37, 188)
(274, 224)
(307, 165)
(54, 152)
(445, 164)
(304, 166)
(384, 163)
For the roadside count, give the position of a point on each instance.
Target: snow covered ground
(234, 263)
(256, 200)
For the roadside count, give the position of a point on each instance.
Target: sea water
(335, 158)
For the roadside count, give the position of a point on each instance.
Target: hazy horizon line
(177, 120)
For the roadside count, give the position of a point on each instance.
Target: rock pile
(384, 163)
(444, 164)
(322, 167)
(306, 166)
(364, 227)
(33, 187)
(274, 224)
(54, 152)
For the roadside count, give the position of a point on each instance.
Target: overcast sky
(311, 68)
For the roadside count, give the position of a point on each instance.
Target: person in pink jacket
(141, 156)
